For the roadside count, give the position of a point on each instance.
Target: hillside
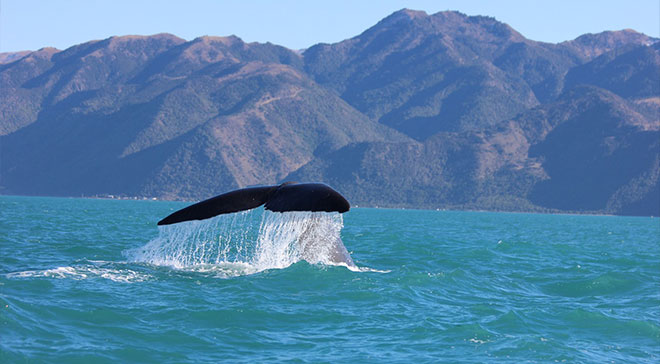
(432, 111)
(173, 119)
(590, 151)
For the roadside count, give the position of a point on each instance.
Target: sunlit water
(97, 281)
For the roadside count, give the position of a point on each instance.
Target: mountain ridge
(436, 111)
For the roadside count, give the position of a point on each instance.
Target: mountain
(590, 46)
(631, 72)
(618, 170)
(423, 74)
(160, 116)
(586, 152)
(432, 111)
(8, 57)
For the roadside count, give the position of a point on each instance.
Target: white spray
(254, 239)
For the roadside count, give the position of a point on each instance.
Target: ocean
(96, 281)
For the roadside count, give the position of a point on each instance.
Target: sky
(297, 24)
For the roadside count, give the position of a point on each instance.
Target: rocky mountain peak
(591, 45)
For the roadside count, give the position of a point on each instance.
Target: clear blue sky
(297, 24)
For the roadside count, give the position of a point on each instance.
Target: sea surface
(96, 281)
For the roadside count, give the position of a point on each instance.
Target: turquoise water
(85, 281)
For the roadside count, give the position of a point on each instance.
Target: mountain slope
(630, 72)
(188, 130)
(424, 74)
(590, 46)
(589, 151)
(437, 111)
(604, 148)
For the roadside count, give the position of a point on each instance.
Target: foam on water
(248, 242)
(86, 271)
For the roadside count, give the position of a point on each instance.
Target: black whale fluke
(234, 201)
(280, 198)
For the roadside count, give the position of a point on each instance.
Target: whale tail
(288, 196)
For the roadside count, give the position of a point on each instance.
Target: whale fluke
(234, 201)
(279, 198)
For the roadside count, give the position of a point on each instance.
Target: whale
(288, 196)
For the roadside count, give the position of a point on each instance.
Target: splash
(248, 242)
(93, 269)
